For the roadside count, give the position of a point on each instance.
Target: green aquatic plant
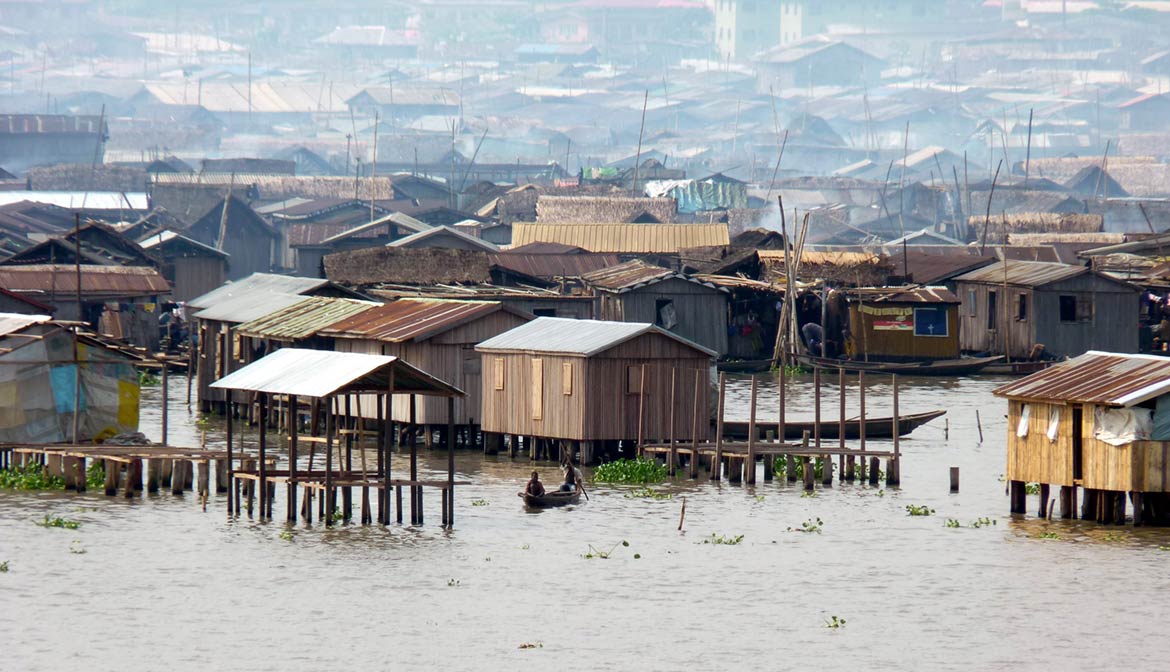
(452, 583)
(95, 475)
(531, 645)
(1048, 535)
(337, 516)
(59, 522)
(951, 522)
(809, 494)
(287, 535)
(479, 502)
(861, 473)
(834, 623)
(780, 467)
(919, 510)
(148, 379)
(760, 499)
(790, 370)
(812, 525)
(647, 493)
(594, 552)
(1032, 488)
(4, 567)
(31, 476)
(720, 540)
(639, 470)
(76, 549)
(982, 522)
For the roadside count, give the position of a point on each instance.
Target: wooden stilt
(717, 463)
(1019, 502)
(749, 465)
(1068, 501)
(1043, 511)
(695, 424)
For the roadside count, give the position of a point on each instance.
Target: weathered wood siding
(974, 336)
(195, 276)
(702, 311)
(1034, 458)
(892, 344)
(603, 403)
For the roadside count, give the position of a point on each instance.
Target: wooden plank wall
(1034, 458)
(195, 276)
(1113, 305)
(702, 311)
(902, 344)
(974, 336)
(1141, 466)
(510, 411)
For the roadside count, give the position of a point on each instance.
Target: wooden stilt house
(435, 335)
(586, 382)
(1099, 422)
(904, 324)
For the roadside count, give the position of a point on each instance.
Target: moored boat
(550, 499)
(939, 367)
(875, 428)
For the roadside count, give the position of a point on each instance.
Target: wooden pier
(736, 460)
(129, 468)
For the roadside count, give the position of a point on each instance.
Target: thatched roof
(1037, 222)
(277, 187)
(606, 208)
(407, 266)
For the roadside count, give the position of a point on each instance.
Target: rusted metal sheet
(628, 275)
(543, 265)
(410, 319)
(1102, 378)
(96, 281)
(907, 295)
(320, 373)
(623, 238)
(257, 283)
(303, 319)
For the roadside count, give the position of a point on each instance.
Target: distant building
(816, 62)
(28, 140)
(744, 28)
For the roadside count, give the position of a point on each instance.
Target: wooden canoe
(550, 499)
(941, 367)
(745, 366)
(1017, 368)
(875, 428)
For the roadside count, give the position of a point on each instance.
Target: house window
(992, 310)
(1021, 307)
(930, 322)
(237, 347)
(664, 314)
(972, 307)
(1076, 308)
(538, 389)
(498, 372)
(544, 312)
(567, 378)
(634, 379)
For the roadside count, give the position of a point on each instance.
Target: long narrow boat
(745, 366)
(550, 499)
(875, 428)
(940, 367)
(1018, 368)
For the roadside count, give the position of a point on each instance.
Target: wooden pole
(233, 486)
(954, 479)
(695, 426)
(717, 463)
(327, 496)
(291, 417)
(387, 447)
(845, 467)
(641, 410)
(861, 419)
(780, 428)
(165, 403)
(749, 464)
(263, 457)
(817, 406)
(892, 475)
(673, 398)
(449, 514)
(414, 504)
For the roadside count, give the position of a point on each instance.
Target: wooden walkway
(123, 466)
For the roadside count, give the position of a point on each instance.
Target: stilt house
(911, 324)
(1100, 422)
(592, 381)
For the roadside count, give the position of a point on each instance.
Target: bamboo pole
(717, 463)
(694, 467)
(749, 464)
(861, 420)
(641, 410)
(673, 449)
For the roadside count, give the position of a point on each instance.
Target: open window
(664, 314)
(931, 322)
(992, 309)
(1021, 307)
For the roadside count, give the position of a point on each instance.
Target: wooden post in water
(1043, 510)
(954, 479)
(449, 514)
(861, 422)
(717, 463)
(695, 426)
(387, 447)
(780, 428)
(233, 506)
(642, 410)
(893, 477)
(844, 465)
(749, 464)
(817, 406)
(1068, 501)
(414, 503)
(165, 402)
(291, 417)
(327, 496)
(264, 513)
(770, 458)
(672, 459)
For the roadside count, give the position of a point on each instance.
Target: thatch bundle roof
(407, 266)
(283, 186)
(1036, 222)
(605, 208)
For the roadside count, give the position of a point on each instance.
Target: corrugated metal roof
(303, 318)
(559, 335)
(623, 238)
(247, 306)
(1027, 273)
(320, 373)
(72, 200)
(103, 281)
(259, 283)
(411, 319)
(163, 237)
(909, 295)
(1103, 378)
(417, 239)
(13, 322)
(634, 275)
(544, 265)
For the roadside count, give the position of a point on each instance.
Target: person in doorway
(572, 478)
(814, 338)
(534, 487)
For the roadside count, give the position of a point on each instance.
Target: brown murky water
(164, 585)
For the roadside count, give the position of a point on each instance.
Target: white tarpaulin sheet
(1119, 426)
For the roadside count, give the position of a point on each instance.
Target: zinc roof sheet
(11, 323)
(564, 336)
(1027, 273)
(320, 373)
(303, 318)
(634, 275)
(259, 283)
(624, 238)
(410, 319)
(247, 306)
(1102, 378)
(61, 279)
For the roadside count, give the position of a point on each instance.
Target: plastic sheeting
(1119, 426)
(37, 398)
(1161, 430)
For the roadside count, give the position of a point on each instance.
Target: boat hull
(549, 499)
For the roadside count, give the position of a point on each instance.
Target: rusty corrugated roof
(910, 295)
(411, 319)
(623, 238)
(303, 318)
(1103, 378)
(543, 265)
(96, 281)
(628, 275)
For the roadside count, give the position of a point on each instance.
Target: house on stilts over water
(1097, 425)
